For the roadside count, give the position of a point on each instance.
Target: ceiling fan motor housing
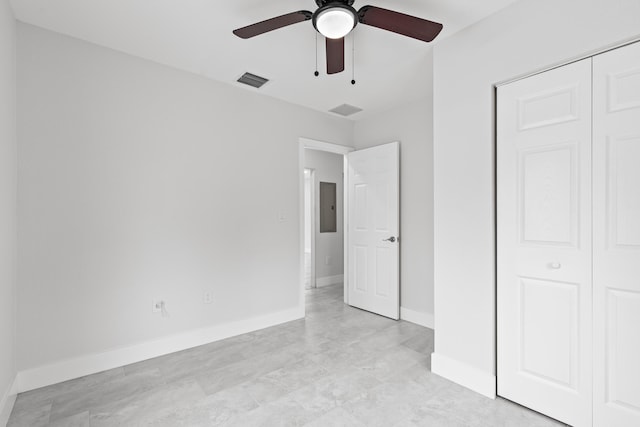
(321, 3)
(326, 6)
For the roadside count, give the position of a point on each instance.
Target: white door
(373, 229)
(544, 243)
(616, 236)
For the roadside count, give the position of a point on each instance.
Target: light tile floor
(338, 367)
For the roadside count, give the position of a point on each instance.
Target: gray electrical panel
(328, 217)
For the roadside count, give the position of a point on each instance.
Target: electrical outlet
(156, 306)
(207, 297)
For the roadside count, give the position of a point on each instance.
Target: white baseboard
(463, 374)
(64, 370)
(417, 317)
(7, 401)
(329, 280)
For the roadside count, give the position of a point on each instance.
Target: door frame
(313, 144)
(312, 220)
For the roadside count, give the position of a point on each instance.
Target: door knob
(390, 239)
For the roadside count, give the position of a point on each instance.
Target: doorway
(309, 146)
(362, 201)
(324, 219)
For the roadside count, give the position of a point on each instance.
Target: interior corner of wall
(7, 401)
(466, 375)
(419, 318)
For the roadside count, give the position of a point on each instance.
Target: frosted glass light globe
(335, 23)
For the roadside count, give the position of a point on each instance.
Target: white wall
(8, 170)
(525, 37)
(412, 125)
(328, 168)
(139, 181)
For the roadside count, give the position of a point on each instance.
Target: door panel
(549, 331)
(623, 194)
(623, 318)
(373, 272)
(547, 107)
(616, 236)
(361, 268)
(548, 177)
(544, 243)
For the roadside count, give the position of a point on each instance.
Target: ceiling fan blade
(335, 55)
(272, 24)
(399, 23)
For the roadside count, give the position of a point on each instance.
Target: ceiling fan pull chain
(353, 58)
(316, 73)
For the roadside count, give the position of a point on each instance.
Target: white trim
(571, 60)
(7, 401)
(301, 248)
(312, 219)
(90, 364)
(329, 280)
(345, 226)
(463, 374)
(417, 317)
(313, 144)
(312, 190)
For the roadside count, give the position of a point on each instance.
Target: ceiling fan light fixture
(335, 21)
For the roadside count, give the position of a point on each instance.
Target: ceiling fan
(334, 19)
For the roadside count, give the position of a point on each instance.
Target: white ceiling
(195, 36)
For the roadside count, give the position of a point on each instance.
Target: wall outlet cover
(156, 305)
(207, 297)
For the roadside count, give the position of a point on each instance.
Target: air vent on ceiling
(345, 110)
(252, 80)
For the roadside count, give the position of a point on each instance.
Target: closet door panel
(616, 236)
(544, 243)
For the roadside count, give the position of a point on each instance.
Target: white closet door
(616, 236)
(544, 243)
